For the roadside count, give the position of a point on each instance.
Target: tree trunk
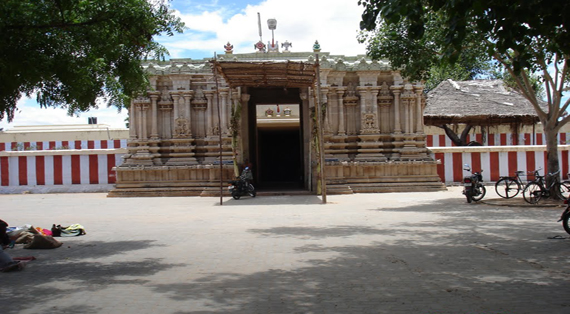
(552, 165)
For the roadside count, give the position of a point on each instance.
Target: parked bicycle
(536, 189)
(509, 187)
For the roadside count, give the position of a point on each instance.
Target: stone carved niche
(181, 129)
(199, 102)
(369, 123)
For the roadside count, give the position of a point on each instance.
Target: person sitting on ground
(6, 262)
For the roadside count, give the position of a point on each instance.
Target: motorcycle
(473, 188)
(241, 185)
(565, 217)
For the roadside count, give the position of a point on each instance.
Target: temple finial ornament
(286, 45)
(229, 48)
(260, 46)
(316, 46)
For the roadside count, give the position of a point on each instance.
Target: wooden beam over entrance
(267, 74)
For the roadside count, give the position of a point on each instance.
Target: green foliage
(422, 58)
(529, 39)
(71, 52)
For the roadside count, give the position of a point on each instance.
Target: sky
(211, 24)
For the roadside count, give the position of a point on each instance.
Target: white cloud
(30, 113)
(333, 23)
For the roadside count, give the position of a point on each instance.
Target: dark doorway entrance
(276, 138)
(280, 158)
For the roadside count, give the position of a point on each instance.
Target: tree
(72, 52)
(525, 37)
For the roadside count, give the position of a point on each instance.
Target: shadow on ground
(470, 259)
(73, 263)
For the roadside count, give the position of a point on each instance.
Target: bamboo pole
(219, 129)
(320, 134)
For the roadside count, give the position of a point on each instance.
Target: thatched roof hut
(477, 103)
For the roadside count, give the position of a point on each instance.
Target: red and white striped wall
(495, 161)
(496, 139)
(63, 145)
(85, 164)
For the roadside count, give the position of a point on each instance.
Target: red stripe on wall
(491, 141)
(479, 138)
(104, 144)
(564, 162)
(75, 169)
(57, 170)
(40, 170)
(65, 144)
(23, 170)
(440, 166)
(538, 138)
(111, 176)
(93, 169)
(503, 139)
(457, 167)
(4, 173)
(441, 141)
(494, 156)
(562, 138)
(429, 141)
(527, 137)
(513, 163)
(476, 161)
(77, 145)
(91, 144)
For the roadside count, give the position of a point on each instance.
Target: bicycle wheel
(507, 187)
(532, 193)
(563, 190)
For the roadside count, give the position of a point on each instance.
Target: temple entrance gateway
(202, 121)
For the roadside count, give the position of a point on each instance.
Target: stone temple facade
(373, 130)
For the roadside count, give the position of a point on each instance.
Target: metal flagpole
(219, 129)
(320, 134)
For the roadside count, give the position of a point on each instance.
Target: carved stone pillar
(324, 100)
(224, 114)
(175, 115)
(140, 122)
(188, 109)
(154, 112)
(396, 90)
(419, 111)
(144, 133)
(209, 113)
(132, 121)
(363, 95)
(341, 128)
(374, 104)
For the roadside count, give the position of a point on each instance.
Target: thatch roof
(477, 102)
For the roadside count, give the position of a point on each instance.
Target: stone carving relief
(181, 129)
(369, 123)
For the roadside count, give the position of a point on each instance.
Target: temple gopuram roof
(477, 102)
